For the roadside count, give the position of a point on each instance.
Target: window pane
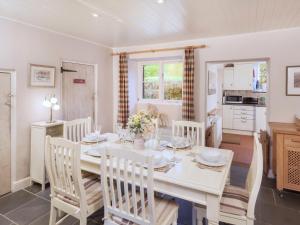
(151, 81)
(173, 77)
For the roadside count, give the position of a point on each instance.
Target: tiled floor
(31, 206)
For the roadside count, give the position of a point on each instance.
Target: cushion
(234, 200)
(92, 186)
(164, 211)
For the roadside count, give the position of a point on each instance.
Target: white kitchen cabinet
(239, 77)
(243, 124)
(243, 76)
(39, 131)
(261, 119)
(227, 116)
(228, 78)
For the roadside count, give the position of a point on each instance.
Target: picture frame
(42, 75)
(293, 80)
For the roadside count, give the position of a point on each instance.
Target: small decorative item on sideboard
(297, 121)
(51, 102)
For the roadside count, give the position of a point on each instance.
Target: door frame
(96, 84)
(13, 123)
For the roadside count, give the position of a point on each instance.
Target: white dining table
(185, 180)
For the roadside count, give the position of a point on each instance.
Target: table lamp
(52, 103)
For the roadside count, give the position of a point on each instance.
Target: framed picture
(293, 80)
(212, 83)
(42, 76)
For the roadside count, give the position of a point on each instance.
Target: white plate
(96, 152)
(180, 146)
(111, 137)
(93, 140)
(221, 162)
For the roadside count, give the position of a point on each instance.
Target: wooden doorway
(79, 91)
(5, 134)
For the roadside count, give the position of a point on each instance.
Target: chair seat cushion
(164, 212)
(234, 200)
(92, 186)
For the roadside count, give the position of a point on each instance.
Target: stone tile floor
(31, 206)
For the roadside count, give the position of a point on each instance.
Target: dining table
(185, 179)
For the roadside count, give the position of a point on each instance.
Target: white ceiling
(135, 22)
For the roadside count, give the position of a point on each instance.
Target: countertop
(255, 105)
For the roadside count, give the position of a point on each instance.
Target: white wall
(21, 45)
(281, 47)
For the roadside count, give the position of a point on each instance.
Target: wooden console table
(286, 155)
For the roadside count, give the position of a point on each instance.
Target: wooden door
(5, 148)
(78, 91)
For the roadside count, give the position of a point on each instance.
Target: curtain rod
(160, 50)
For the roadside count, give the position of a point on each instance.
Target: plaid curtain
(188, 86)
(123, 111)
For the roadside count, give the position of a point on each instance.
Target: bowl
(210, 155)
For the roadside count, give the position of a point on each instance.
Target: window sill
(160, 102)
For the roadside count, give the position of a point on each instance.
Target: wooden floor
(241, 145)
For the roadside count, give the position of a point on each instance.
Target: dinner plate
(221, 161)
(96, 152)
(179, 146)
(93, 139)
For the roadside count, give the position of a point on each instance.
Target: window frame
(161, 64)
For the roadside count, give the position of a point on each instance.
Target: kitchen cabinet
(227, 116)
(228, 78)
(239, 117)
(261, 119)
(239, 77)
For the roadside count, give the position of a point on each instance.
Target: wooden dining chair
(127, 183)
(238, 204)
(75, 130)
(189, 129)
(73, 192)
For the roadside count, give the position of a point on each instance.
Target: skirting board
(21, 184)
(240, 132)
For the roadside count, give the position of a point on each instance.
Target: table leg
(213, 209)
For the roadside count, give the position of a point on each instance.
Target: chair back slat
(189, 129)
(63, 166)
(127, 178)
(77, 129)
(254, 176)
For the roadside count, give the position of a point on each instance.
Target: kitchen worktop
(255, 105)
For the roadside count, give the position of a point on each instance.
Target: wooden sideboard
(39, 131)
(286, 155)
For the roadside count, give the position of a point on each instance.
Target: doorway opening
(79, 91)
(8, 130)
(236, 104)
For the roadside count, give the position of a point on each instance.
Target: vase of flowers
(140, 125)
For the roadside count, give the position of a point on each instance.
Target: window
(161, 80)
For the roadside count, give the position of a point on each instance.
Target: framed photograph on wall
(42, 76)
(293, 80)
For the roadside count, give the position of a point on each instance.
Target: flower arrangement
(140, 124)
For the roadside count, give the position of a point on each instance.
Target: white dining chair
(238, 204)
(73, 192)
(189, 129)
(127, 183)
(75, 130)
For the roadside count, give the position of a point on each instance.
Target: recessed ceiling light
(160, 1)
(95, 15)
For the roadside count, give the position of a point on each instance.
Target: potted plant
(140, 125)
